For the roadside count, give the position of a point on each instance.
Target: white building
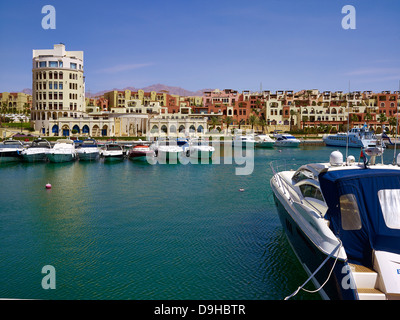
(58, 87)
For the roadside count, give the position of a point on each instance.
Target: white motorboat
(10, 150)
(167, 151)
(244, 141)
(88, 150)
(37, 151)
(199, 149)
(264, 141)
(63, 151)
(112, 151)
(342, 221)
(286, 140)
(355, 138)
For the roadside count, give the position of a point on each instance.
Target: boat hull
(35, 157)
(61, 157)
(265, 144)
(311, 257)
(10, 157)
(113, 156)
(141, 155)
(171, 157)
(88, 155)
(287, 144)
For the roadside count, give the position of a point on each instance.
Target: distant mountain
(155, 87)
(27, 91)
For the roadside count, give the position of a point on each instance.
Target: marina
(131, 230)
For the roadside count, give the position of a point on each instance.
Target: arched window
(164, 128)
(76, 127)
(200, 129)
(182, 128)
(85, 129)
(172, 129)
(192, 128)
(154, 129)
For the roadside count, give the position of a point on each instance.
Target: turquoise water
(128, 230)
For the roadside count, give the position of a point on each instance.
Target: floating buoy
(241, 189)
(48, 186)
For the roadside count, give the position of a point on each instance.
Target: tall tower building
(58, 87)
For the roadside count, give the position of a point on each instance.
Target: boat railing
(278, 166)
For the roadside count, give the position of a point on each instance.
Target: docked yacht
(37, 151)
(343, 223)
(286, 140)
(10, 150)
(167, 151)
(355, 138)
(199, 149)
(88, 150)
(141, 152)
(244, 141)
(264, 141)
(63, 151)
(112, 151)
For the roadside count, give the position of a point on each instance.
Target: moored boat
(167, 151)
(286, 140)
(63, 151)
(10, 150)
(141, 152)
(199, 149)
(37, 151)
(342, 221)
(355, 138)
(88, 150)
(264, 141)
(112, 152)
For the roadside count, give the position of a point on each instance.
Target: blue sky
(281, 44)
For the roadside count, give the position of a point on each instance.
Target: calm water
(138, 231)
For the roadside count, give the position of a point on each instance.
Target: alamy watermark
(49, 20)
(49, 280)
(349, 20)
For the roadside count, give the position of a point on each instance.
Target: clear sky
(281, 44)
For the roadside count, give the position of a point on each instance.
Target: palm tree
(228, 121)
(214, 121)
(392, 123)
(382, 118)
(253, 120)
(262, 122)
(292, 113)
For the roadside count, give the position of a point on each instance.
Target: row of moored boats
(65, 150)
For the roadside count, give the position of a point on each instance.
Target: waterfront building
(58, 87)
(15, 102)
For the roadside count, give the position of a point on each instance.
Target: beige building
(15, 102)
(58, 87)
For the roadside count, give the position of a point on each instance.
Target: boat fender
(241, 189)
(48, 186)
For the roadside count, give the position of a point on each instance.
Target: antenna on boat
(348, 124)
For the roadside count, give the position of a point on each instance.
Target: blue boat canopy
(363, 210)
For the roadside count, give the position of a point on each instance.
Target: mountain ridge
(154, 87)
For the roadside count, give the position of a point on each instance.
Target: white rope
(316, 271)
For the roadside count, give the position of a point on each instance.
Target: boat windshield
(114, 147)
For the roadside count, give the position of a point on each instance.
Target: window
(42, 64)
(55, 85)
(60, 85)
(50, 85)
(389, 200)
(310, 191)
(53, 64)
(72, 65)
(350, 214)
(60, 64)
